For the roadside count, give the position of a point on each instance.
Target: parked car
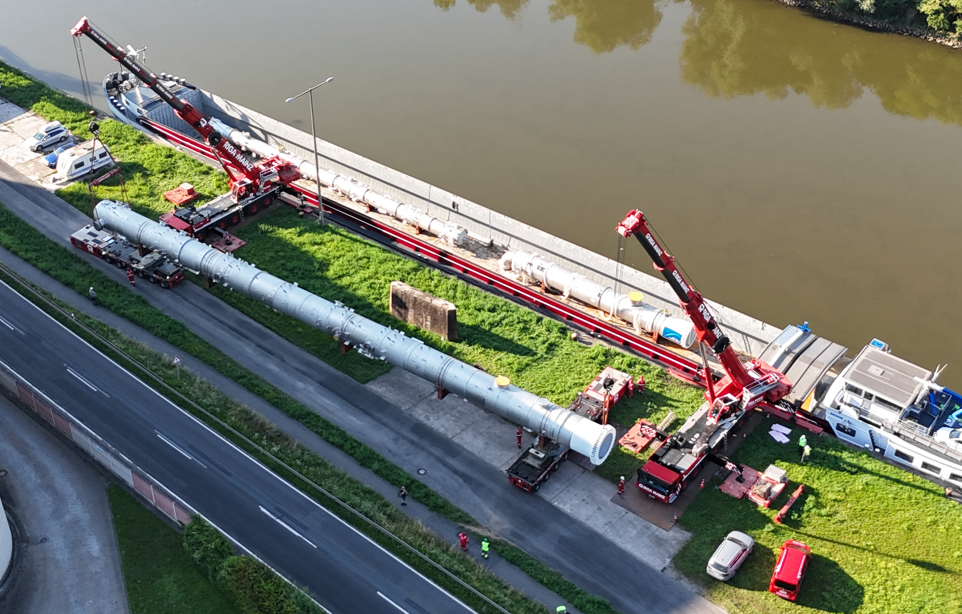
(790, 569)
(730, 555)
(51, 158)
(51, 133)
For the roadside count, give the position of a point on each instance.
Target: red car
(790, 570)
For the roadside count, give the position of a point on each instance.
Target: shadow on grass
(828, 588)
(480, 337)
(926, 565)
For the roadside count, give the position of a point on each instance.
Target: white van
(82, 160)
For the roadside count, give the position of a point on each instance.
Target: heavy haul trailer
(538, 462)
(154, 266)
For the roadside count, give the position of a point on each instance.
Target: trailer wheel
(547, 475)
(142, 274)
(121, 264)
(536, 487)
(564, 456)
(153, 279)
(164, 284)
(222, 224)
(108, 259)
(200, 236)
(267, 202)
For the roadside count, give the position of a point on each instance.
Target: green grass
(160, 576)
(883, 540)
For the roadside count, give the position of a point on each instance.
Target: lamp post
(317, 183)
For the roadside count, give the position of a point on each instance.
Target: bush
(255, 589)
(206, 546)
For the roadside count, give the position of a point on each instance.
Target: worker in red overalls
(463, 540)
(621, 485)
(519, 434)
(130, 276)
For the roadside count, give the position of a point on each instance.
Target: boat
(876, 401)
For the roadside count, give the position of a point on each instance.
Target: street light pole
(317, 183)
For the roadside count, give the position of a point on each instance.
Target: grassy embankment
(883, 540)
(159, 575)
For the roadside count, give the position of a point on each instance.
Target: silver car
(730, 555)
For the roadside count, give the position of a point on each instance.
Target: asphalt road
(344, 570)
(582, 555)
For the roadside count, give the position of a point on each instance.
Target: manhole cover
(43, 540)
(3, 473)
(422, 471)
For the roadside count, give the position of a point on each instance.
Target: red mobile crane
(678, 457)
(251, 184)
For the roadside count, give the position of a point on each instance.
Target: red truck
(538, 462)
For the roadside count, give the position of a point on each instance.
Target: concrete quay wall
(747, 333)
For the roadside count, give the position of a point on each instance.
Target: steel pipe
(369, 338)
(641, 316)
(351, 188)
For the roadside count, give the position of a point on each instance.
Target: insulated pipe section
(357, 192)
(644, 318)
(369, 338)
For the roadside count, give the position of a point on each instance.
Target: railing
(912, 433)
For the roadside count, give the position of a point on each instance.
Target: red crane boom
(749, 383)
(247, 179)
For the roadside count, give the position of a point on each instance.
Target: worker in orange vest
(621, 485)
(130, 276)
(463, 540)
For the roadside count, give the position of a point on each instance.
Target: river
(798, 169)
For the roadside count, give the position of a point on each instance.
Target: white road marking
(382, 596)
(83, 381)
(10, 326)
(244, 453)
(286, 526)
(179, 449)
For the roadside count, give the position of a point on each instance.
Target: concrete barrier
(27, 395)
(748, 334)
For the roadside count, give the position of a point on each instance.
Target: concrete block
(424, 310)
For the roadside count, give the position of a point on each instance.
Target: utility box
(424, 310)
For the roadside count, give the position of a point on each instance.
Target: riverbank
(867, 22)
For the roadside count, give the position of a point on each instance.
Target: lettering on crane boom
(237, 155)
(653, 243)
(681, 282)
(703, 308)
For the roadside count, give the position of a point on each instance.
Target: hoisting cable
(82, 66)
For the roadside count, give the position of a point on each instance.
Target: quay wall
(747, 333)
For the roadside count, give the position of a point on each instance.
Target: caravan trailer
(82, 160)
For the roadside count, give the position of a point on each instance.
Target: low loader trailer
(539, 461)
(112, 249)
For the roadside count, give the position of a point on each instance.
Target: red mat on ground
(639, 436)
(182, 194)
(733, 487)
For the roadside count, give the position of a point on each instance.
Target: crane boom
(756, 377)
(254, 179)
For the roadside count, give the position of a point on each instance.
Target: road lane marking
(85, 382)
(286, 526)
(385, 598)
(245, 454)
(179, 449)
(11, 326)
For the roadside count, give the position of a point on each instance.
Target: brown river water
(797, 168)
